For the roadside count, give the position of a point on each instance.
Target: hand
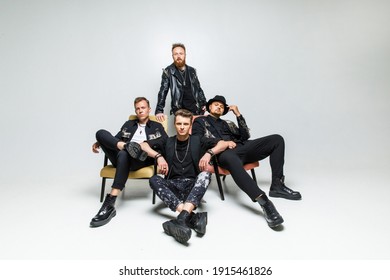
(230, 145)
(95, 147)
(204, 162)
(160, 117)
(234, 109)
(120, 145)
(162, 166)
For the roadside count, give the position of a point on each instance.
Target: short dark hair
(175, 45)
(184, 113)
(139, 99)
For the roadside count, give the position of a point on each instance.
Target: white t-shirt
(140, 134)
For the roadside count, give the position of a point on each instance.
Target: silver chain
(188, 146)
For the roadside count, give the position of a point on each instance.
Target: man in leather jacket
(182, 80)
(124, 152)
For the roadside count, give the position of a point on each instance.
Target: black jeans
(119, 158)
(250, 151)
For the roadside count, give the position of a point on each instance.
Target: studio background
(316, 72)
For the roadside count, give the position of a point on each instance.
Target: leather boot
(178, 227)
(106, 212)
(279, 189)
(198, 222)
(272, 216)
(135, 151)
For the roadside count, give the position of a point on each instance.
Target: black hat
(221, 99)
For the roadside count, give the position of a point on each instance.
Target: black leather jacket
(171, 79)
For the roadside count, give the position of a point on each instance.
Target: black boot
(198, 222)
(279, 189)
(135, 151)
(272, 216)
(106, 212)
(178, 228)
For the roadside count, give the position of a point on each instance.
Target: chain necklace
(142, 127)
(188, 146)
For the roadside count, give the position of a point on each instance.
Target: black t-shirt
(188, 100)
(182, 165)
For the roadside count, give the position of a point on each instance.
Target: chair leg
(215, 164)
(220, 186)
(253, 174)
(154, 197)
(102, 189)
(223, 178)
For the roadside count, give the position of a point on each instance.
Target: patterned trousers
(175, 191)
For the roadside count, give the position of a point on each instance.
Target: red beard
(180, 64)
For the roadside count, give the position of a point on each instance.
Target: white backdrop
(316, 72)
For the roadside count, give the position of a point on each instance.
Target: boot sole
(103, 222)
(181, 235)
(276, 223)
(286, 196)
(136, 153)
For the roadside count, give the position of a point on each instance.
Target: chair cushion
(146, 172)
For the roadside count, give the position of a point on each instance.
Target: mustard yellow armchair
(108, 170)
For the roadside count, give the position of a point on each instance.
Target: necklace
(183, 76)
(185, 155)
(142, 127)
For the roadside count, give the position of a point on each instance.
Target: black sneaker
(135, 151)
(180, 232)
(279, 189)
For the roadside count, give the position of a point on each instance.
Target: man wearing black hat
(235, 149)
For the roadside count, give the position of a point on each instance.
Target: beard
(180, 63)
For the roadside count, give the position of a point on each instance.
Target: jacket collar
(175, 71)
(148, 124)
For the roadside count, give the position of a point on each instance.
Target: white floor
(341, 216)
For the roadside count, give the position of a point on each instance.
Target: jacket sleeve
(119, 134)
(157, 144)
(162, 94)
(202, 98)
(243, 128)
(199, 129)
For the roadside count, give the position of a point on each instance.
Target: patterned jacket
(155, 133)
(212, 130)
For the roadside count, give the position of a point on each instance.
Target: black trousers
(119, 158)
(271, 146)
